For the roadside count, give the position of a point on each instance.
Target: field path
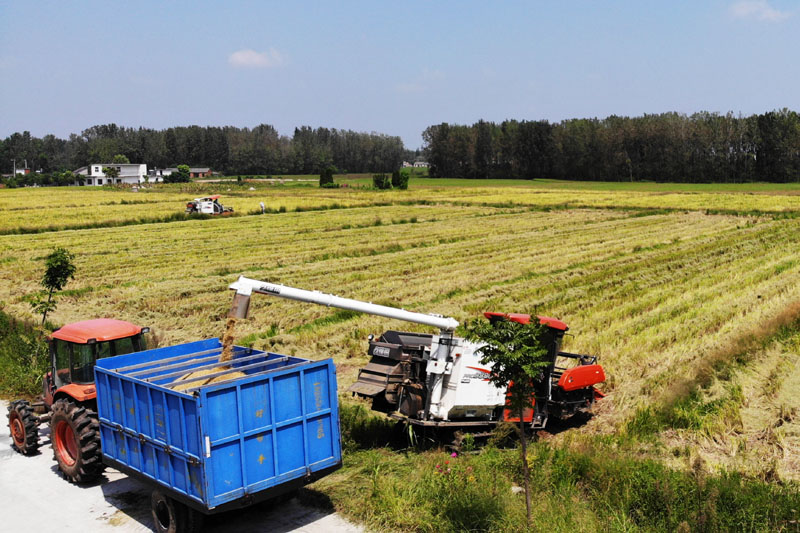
(42, 501)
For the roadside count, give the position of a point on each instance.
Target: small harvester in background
(208, 205)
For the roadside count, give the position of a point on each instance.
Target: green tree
(381, 181)
(326, 177)
(181, 175)
(59, 269)
(111, 172)
(400, 179)
(121, 159)
(517, 355)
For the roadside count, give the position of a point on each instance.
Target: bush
(381, 181)
(326, 177)
(399, 180)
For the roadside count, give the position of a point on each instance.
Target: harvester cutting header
(438, 380)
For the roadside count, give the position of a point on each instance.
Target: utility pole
(14, 161)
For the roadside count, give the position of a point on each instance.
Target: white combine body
(438, 380)
(208, 205)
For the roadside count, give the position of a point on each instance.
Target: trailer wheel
(170, 516)
(75, 434)
(24, 427)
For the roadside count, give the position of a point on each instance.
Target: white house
(421, 164)
(157, 175)
(130, 173)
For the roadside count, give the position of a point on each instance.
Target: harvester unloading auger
(438, 380)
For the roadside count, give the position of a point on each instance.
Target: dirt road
(37, 498)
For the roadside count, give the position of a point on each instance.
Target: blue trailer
(213, 447)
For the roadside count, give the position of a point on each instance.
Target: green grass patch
(24, 357)
(596, 488)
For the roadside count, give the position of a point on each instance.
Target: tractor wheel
(24, 427)
(170, 516)
(75, 435)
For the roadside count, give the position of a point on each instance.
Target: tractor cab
(69, 399)
(75, 347)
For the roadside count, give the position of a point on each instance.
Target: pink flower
(454, 454)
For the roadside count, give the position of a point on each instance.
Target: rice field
(49, 209)
(656, 283)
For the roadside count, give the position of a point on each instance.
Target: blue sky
(390, 67)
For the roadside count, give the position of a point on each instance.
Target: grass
(583, 488)
(24, 357)
(688, 294)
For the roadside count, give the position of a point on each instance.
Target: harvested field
(689, 298)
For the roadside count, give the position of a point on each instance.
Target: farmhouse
(130, 173)
(194, 172)
(199, 172)
(157, 175)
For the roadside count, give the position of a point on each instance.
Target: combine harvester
(268, 425)
(438, 380)
(208, 206)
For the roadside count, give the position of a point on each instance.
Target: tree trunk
(49, 298)
(525, 472)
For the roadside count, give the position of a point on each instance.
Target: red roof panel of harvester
(100, 329)
(524, 319)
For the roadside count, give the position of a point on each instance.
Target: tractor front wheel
(75, 435)
(24, 427)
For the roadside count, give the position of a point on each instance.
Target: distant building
(157, 175)
(129, 173)
(199, 172)
(194, 172)
(421, 164)
(406, 164)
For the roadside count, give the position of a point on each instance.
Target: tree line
(231, 150)
(674, 147)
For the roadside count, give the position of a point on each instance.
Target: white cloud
(248, 58)
(758, 10)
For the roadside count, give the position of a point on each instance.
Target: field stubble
(654, 293)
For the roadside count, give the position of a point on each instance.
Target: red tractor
(69, 399)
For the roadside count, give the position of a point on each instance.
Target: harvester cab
(567, 385)
(69, 397)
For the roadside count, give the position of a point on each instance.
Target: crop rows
(49, 209)
(654, 293)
